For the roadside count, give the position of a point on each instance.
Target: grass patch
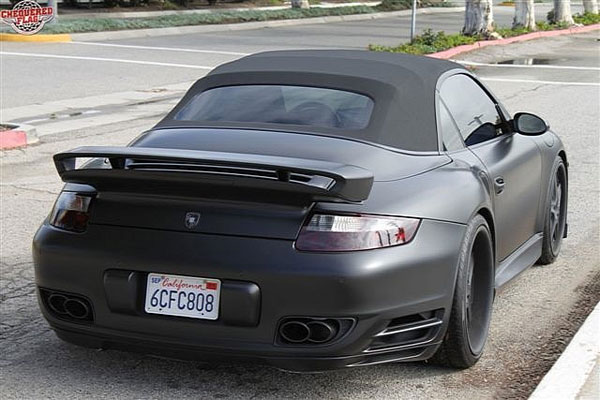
(432, 42)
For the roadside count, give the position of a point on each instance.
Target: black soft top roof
(402, 87)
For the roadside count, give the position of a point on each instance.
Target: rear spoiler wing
(159, 170)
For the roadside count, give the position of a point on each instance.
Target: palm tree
(562, 12)
(590, 6)
(479, 18)
(524, 15)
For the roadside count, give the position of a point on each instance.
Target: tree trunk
(524, 15)
(562, 12)
(479, 17)
(590, 6)
(300, 4)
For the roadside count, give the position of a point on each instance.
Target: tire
(471, 311)
(555, 214)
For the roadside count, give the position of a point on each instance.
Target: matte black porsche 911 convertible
(308, 209)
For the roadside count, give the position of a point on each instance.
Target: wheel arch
(563, 154)
(489, 218)
(550, 160)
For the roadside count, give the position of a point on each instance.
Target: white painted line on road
(570, 372)
(477, 64)
(129, 46)
(540, 82)
(118, 60)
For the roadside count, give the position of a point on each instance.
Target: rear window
(275, 104)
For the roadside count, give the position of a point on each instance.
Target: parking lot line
(572, 67)
(117, 60)
(540, 82)
(129, 46)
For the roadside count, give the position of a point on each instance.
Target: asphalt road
(528, 315)
(27, 77)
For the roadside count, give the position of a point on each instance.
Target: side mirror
(529, 124)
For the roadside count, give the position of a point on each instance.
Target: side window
(472, 109)
(450, 134)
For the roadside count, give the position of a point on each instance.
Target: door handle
(499, 184)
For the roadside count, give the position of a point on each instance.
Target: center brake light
(327, 232)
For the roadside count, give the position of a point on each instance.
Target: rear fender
(451, 193)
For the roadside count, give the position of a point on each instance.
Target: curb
(18, 136)
(450, 53)
(571, 372)
(16, 37)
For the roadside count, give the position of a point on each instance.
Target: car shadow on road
(121, 374)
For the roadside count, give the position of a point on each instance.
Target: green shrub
(510, 32)
(168, 5)
(392, 5)
(587, 18)
(428, 42)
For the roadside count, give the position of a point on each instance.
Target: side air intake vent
(407, 332)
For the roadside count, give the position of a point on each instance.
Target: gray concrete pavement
(576, 374)
(27, 79)
(527, 315)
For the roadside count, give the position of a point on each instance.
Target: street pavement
(26, 77)
(530, 316)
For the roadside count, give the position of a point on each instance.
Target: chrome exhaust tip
(321, 331)
(295, 331)
(56, 302)
(67, 306)
(77, 308)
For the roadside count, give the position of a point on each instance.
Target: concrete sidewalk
(575, 375)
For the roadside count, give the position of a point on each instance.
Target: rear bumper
(374, 288)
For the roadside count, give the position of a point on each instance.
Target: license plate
(183, 296)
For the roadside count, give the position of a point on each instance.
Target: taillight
(346, 233)
(71, 211)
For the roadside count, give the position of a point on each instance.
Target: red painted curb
(446, 54)
(12, 139)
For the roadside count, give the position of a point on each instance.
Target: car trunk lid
(208, 192)
(263, 187)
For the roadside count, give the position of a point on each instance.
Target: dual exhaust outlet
(67, 306)
(308, 331)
